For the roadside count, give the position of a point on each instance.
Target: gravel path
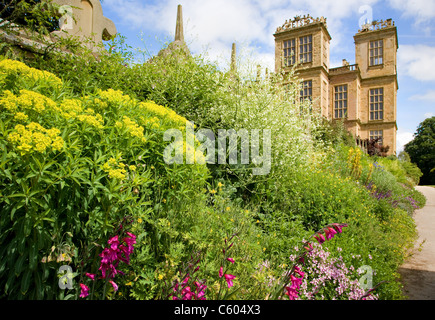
(418, 273)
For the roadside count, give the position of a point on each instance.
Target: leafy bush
(422, 149)
(73, 168)
(83, 156)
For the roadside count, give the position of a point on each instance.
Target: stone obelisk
(179, 32)
(233, 67)
(177, 46)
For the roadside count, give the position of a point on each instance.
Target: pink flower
(108, 256)
(296, 282)
(221, 272)
(111, 256)
(90, 276)
(338, 227)
(184, 282)
(291, 292)
(299, 272)
(200, 288)
(131, 235)
(330, 232)
(124, 250)
(115, 286)
(320, 238)
(84, 290)
(186, 293)
(130, 241)
(230, 260)
(114, 242)
(309, 246)
(229, 278)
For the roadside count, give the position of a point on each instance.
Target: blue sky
(211, 26)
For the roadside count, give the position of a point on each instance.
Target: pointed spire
(179, 32)
(233, 58)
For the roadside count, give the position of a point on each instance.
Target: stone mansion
(362, 95)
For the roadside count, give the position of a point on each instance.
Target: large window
(289, 52)
(306, 49)
(340, 101)
(377, 134)
(306, 90)
(376, 52)
(377, 104)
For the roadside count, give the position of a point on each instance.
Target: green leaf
(27, 226)
(25, 281)
(19, 264)
(33, 256)
(39, 286)
(10, 283)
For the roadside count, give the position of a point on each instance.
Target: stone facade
(363, 94)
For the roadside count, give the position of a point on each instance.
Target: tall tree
(422, 150)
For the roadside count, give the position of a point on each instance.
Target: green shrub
(183, 215)
(73, 169)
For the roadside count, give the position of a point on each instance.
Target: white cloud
(421, 10)
(402, 138)
(417, 61)
(428, 96)
(216, 24)
(428, 115)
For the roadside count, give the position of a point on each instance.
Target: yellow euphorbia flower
(34, 137)
(20, 69)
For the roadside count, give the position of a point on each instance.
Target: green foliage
(73, 168)
(37, 15)
(421, 150)
(403, 169)
(109, 172)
